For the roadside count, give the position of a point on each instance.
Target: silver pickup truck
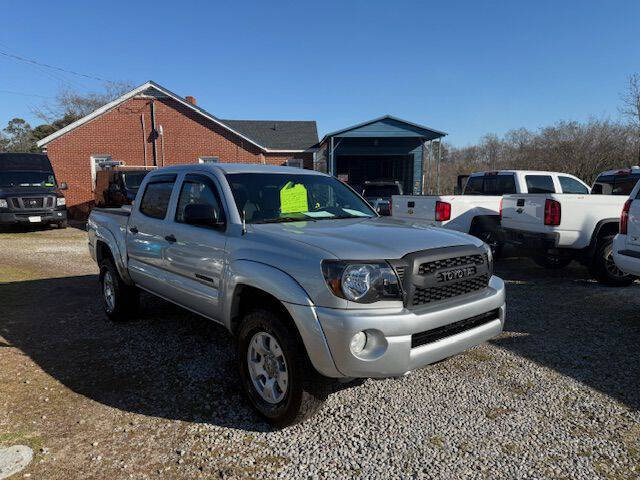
(310, 281)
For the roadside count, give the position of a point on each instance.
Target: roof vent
(190, 99)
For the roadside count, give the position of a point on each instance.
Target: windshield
(27, 179)
(620, 184)
(271, 197)
(380, 191)
(133, 179)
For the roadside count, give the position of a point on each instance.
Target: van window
(155, 200)
(571, 185)
(539, 184)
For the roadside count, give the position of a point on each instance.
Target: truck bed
(579, 216)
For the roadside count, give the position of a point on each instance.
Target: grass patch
(478, 355)
(32, 440)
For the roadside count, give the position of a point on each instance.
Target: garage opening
(356, 169)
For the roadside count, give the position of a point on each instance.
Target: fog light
(358, 342)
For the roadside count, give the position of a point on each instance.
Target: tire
(119, 300)
(552, 262)
(491, 237)
(63, 224)
(296, 391)
(604, 270)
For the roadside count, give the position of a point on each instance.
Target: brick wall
(124, 132)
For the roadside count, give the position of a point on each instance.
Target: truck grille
(430, 267)
(32, 203)
(434, 275)
(433, 294)
(435, 334)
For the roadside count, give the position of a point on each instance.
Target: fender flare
(105, 236)
(593, 243)
(293, 297)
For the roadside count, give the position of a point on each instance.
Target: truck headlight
(3, 203)
(60, 201)
(362, 282)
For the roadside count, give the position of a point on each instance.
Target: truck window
(156, 197)
(196, 189)
(539, 184)
(499, 185)
(615, 184)
(474, 186)
(571, 185)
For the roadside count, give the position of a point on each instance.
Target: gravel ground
(555, 396)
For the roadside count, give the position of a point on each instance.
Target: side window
(156, 197)
(198, 190)
(571, 185)
(539, 184)
(499, 185)
(474, 186)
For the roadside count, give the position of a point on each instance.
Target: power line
(35, 62)
(24, 94)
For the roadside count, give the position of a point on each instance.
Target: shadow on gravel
(169, 363)
(574, 325)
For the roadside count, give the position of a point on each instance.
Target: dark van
(29, 192)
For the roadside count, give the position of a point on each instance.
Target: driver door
(196, 257)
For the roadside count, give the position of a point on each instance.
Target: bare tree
(72, 105)
(630, 108)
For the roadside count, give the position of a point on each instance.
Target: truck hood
(367, 239)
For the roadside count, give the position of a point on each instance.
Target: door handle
(170, 239)
(133, 230)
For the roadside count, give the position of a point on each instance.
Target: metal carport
(385, 148)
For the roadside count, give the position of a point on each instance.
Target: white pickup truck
(558, 228)
(477, 210)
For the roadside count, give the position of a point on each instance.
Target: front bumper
(390, 332)
(33, 218)
(530, 240)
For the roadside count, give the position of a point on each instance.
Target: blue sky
(468, 68)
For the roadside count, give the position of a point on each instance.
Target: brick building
(151, 126)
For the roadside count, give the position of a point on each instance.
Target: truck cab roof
(236, 168)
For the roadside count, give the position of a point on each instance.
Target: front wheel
(493, 238)
(552, 262)
(275, 371)
(604, 268)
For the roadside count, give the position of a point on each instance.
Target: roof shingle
(278, 134)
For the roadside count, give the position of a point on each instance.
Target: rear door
(195, 258)
(147, 234)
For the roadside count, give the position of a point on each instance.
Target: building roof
(389, 120)
(278, 134)
(240, 168)
(294, 146)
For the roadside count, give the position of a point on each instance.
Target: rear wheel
(492, 238)
(551, 261)
(275, 372)
(604, 268)
(119, 300)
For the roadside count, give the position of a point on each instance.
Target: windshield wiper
(341, 217)
(286, 219)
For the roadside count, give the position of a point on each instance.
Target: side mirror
(63, 186)
(202, 214)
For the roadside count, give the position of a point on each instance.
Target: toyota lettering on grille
(455, 274)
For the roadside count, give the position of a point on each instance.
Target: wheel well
(103, 252)
(247, 298)
(604, 230)
(484, 222)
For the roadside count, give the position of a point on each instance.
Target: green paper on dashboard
(293, 198)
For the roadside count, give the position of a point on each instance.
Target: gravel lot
(556, 396)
